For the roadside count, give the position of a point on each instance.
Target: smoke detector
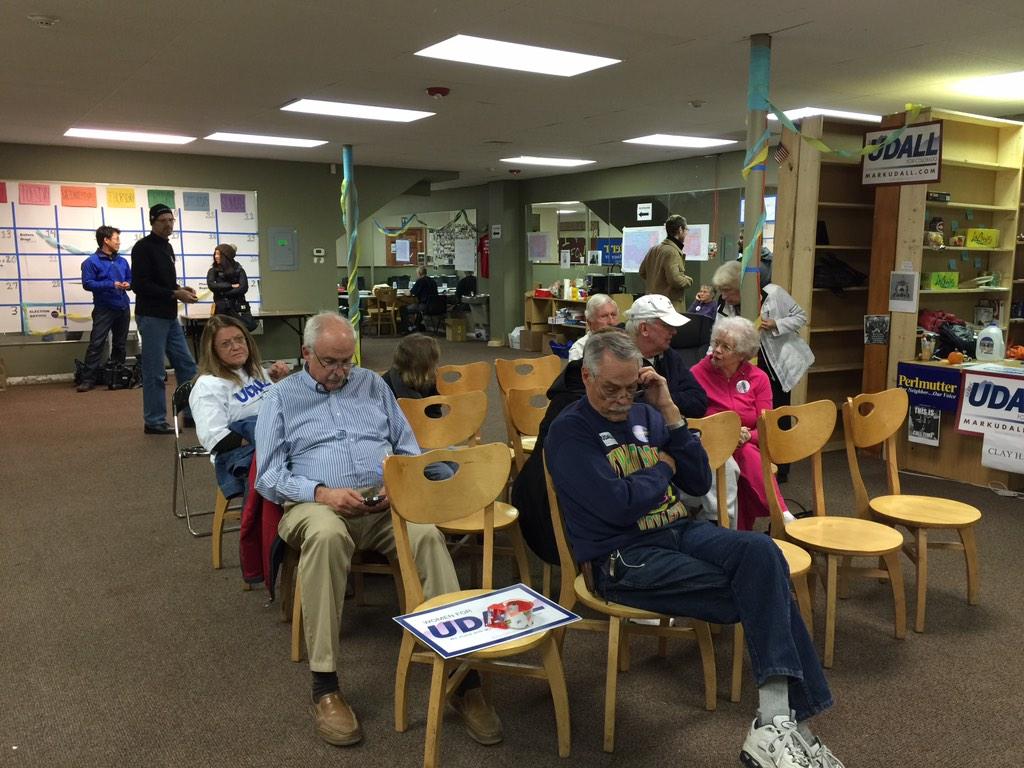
(438, 91)
(515, 171)
(43, 22)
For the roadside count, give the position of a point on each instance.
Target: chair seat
(505, 649)
(504, 516)
(598, 603)
(799, 560)
(925, 511)
(844, 536)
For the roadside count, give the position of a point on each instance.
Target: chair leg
(737, 663)
(519, 552)
(702, 631)
(297, 620)
(559, 695)
(899, 598)
(971, 560)
(545, 580)
(435, 713)
(611, 681)
(830, 610)
(220, 509)
(803, 600)
(921, 543)
(402, 682)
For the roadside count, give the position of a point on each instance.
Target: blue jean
(161, 338)
(696, 569)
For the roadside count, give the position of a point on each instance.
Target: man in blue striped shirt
(321, 439)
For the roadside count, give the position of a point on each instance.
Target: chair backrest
(719, 434)
(527, 372)
(566, 560)
(811, 428)
(525, 412)
(870, 419)
(472, 377)
(461, 418)
(479, 478)
(623, 301)
(385, 295)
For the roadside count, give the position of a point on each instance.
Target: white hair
(742, 332)
(318, 323)
(727, 276)
(595, 304)
(613, 341)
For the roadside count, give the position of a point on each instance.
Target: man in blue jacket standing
(107, 276)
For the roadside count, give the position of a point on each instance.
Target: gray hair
(318, 323)
(742, 332)
(612, 340)
(727, 276)
(595, 303)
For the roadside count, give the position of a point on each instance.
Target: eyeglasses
(722, 346)
(234, 341)
(333, 365)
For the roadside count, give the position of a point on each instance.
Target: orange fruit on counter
(955, 358)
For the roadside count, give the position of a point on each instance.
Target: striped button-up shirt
(306, 436)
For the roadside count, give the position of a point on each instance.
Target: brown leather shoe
(478, 716)
(335, 722)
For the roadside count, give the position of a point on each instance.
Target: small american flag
(781, 153)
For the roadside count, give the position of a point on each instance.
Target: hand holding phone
(373, 501)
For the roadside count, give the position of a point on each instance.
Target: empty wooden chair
(525, 373)
(834, 538)
(477, 482)
(525, 409)
(383, 308)
(472, 377)
(873, 419)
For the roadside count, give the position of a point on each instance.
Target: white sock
(805, 731)
(773, 699)
(787, 516)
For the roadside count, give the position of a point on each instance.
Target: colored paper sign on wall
(158, 196)
(231, 202)
(3, 191)
(33, 194)
(196, 201)
(77, 197)
(120, 197)
(930, 385)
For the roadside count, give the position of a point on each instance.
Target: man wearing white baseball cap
(652, 322)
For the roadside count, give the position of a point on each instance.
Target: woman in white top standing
(601, 312)
(784, 355)
(226, 398)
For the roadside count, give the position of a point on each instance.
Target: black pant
(104, 321)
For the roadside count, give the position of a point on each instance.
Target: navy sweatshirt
(611, 486)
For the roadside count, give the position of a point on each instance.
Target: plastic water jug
(990, 343)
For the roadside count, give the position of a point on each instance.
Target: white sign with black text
(644, 211)
(914, 158)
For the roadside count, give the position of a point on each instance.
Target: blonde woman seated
(733, 384)
(226, 398)
(601, 312)
(413, 372)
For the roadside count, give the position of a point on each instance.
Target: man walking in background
(663, 270)
(157, 293)
(107, 276)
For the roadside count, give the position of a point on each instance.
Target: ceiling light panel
(561, 162)
(525, 58)
(1006, 87)
(136, 136)
(797, 114)
(672, 140)
(359, 111)
(277, 141)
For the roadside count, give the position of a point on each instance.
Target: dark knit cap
(157, 210)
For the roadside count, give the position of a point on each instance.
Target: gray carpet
(119, 645)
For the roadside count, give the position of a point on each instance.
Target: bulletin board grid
(47, 229)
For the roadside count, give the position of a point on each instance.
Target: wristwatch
(681, 424)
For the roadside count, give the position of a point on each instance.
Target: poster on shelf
(876, 329)
(992, 403)
(486, 620)
(924, 424)
(48, 228)
(1005, 452)
(916, 158)
(903, 291)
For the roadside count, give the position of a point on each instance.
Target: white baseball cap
(656, 307)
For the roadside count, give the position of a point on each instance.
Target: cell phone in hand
(372, 501)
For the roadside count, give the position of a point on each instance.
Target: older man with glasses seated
(321, 440)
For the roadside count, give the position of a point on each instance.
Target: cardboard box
(455, 329)
(941, 281)
(979, 237)
(531, 341)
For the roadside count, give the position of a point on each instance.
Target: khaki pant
(326, 542)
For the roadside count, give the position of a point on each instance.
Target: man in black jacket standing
(157, 293)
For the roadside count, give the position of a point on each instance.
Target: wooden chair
(874, 419)
(477, 482)
(719, 434)
(525, 409)
(460, 426)
(832, 537)
(223, 511)
(573, 589)
(384, 308)
(525, 373)
(292, 587)
(472, 377)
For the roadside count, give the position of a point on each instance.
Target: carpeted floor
(119, 645)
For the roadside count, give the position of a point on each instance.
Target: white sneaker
(775, 745)
(788, 516)
(821, 756)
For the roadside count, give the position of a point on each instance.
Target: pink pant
(751, 500)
